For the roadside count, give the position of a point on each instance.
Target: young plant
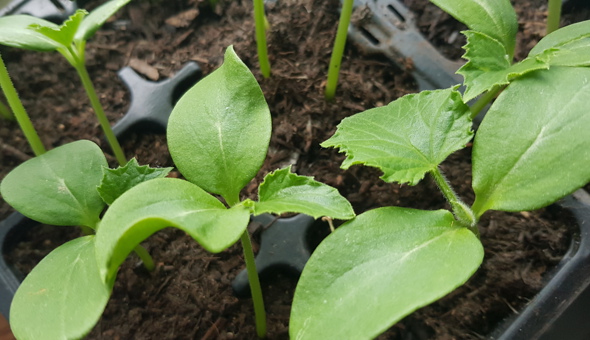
(218, 136)
(69, 39)
(261, 25)
(530, 150)
(338, 51)
(64, 295)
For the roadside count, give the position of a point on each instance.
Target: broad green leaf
(116, 181)
(59, 187)
(15, 32)
(379, 267)
(406, 138)
(569, 46)
(63, 297)
(63, 34)
(97, 18)
(495, 18)
(219, 131)
(489, 64)
(283, 191)
(160, 203)
(533, 146)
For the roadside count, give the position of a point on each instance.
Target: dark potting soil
(189, 295)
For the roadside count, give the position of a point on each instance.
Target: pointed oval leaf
(406, 138)
(160, 203)
(529, 153)
(379, 267)
(59, 187)
(219, 131)
(15, 31)
(569, 45)
(97, 18)
(63, 297)
(283, 191)
(495, 18)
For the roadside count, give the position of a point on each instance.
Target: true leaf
(97, 18)
(58, 187)
(160, 203)
(379, 267)
(406, 138)
(283, 191)
(219, 131)
(569, 45)
(15, 31)
(63, 296)
(116, 181)
(529, 153)
(489, 65)
(495, 18)
(63, 34)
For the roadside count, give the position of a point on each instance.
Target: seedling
(69, 39)
(260, 26)
(64, 295)
(338, 50)
(218, 136)
(530, 150)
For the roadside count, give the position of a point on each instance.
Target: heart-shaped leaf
(379, 267)
(15, 31)
(406, 138)
(160, 203)
(529, 153)
(219, 131)
(59, 187)
(283, 191)
(63, 296)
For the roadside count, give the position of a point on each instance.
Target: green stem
(259, 20)
(338, 51)
(554, 15)
(19, 111)
(5, 112)
(102, 118)
(484, 100)
(145, 257)
(259, 312)
(462, 212)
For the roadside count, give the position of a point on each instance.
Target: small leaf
(283, 191)
(379, 267)
(59, 187)
(407, 138)
(489, 65)
(97, 18)
(63, 34)
(219, 131)
(569, 46)
(533, 146)
(495, 18)
(15, 32)
(160, 203)
(116, 181)
(63, 297)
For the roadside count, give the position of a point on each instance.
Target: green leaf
(63, 34)
(489, 65)
(63, 297)
(569, 46)
(533, 146)
(283, 191)
(116, 181)
(406, 138)
(379, 267)
(219, 131)
(97, 18)
(15, 32)
(495, 18)
(160, 203)
(59, 187)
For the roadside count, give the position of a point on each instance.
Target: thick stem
(102, 118)
(19, 111)
(484, 100)
(259, 312)
(462, 212)
(338, 51)
(5, 112)
(260, 20)
(554, 15)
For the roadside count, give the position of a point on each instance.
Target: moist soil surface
(189, 295)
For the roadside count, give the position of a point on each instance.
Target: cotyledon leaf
(15, 31)
(569, 45)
